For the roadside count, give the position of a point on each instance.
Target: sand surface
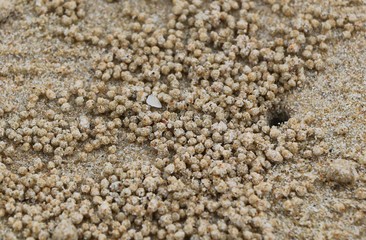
(73, 165)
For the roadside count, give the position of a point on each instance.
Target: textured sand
(34, 52)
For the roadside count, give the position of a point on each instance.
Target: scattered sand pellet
(341, 171)
(6, 8)
(274, 155)
(173, 119)
(65, 230)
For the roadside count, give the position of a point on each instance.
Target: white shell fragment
(153, 101)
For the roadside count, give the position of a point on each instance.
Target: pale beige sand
(336, 99)
(310, 196)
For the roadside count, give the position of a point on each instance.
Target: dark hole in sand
(278, 117)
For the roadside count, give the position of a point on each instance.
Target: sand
(312, 196)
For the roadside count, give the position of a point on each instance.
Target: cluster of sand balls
(70, 11)
(219, 84)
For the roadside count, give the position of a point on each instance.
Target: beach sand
(261, 134)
